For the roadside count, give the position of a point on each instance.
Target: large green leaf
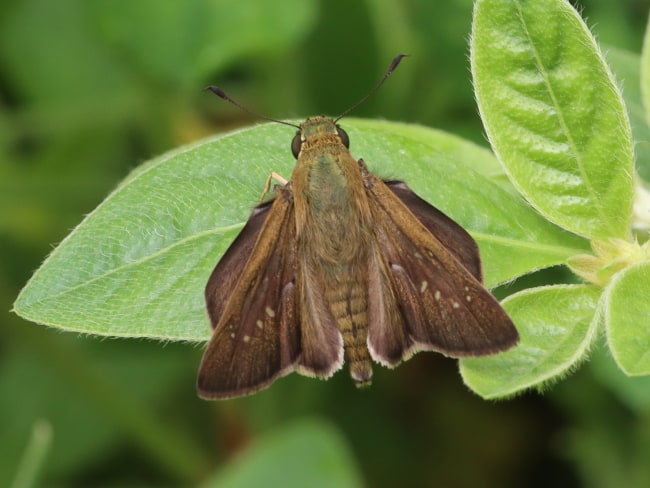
(553, 113)
(137, 265)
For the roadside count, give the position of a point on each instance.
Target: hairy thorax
(334, 201)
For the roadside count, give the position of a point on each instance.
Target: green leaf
(307, 453)
(627, 319)
(553, 113)
(137, 265)
(556, 326)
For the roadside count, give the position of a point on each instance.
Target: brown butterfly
(342, 266)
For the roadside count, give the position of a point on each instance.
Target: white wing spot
(466, 288)
(468, 298)
(436, 295)
(232, 335)
(260, 324)
(423, 286)
(270, 312)
(455, 304)
(246, 338)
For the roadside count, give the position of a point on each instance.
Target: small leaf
(609, 258)
(556, 326)
(627, 319)
(307, 453)
(138, 264)
(553, 113)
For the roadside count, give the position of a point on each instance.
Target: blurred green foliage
(90, 89)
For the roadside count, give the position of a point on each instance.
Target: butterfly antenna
(222, 94)
(389, 71)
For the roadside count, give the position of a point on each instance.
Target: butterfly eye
(296, 144)
(345, 139)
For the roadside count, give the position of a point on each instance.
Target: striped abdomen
(348, 303)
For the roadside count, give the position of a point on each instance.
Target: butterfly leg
(267, 185)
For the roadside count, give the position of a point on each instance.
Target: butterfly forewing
(441, 303)
(449, 233)
(256, 338)
(226, 274)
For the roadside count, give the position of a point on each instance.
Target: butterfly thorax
(331, 203)
(334, 235)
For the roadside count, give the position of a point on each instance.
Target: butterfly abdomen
(348, 304)
(333, 229)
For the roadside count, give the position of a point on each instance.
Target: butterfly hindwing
(439, 303)
(321, 342)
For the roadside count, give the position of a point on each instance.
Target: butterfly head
(315, 130)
